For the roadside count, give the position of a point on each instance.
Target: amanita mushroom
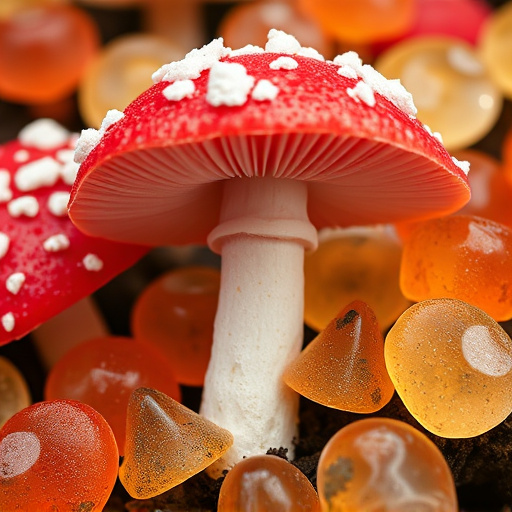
(251, 151)
(46, 264)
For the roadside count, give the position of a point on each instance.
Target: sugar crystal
(228, 84)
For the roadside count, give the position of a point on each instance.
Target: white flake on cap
(281, 42)
(92, 263)
(284, 63)
(194, 63)
(4, 244)
(463, 165)
(23, 206)
(69, 168)
(14, 282)
(248, 49)
(264, 90)
(56, 243)
(228, 84)
(40, 173)
(179, 90)
(311, 53)
(22, 155)
(8, 322)
(393, 90)
(347, 72)
(5, 191)
(44, 134)
(362, 92)
(90, 138)
(436, 135)
(58, 203)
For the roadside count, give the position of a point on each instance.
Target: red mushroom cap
(155, 175)
(46, 264)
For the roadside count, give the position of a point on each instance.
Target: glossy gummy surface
(103, 372)
(175, 313)
(57, 455)
(343, 367)
(451, 365)
(266, 483)
(462, 257)
(380, 464)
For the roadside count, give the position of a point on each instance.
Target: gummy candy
(451, 89)
(176, 313)
(57, 455)
(463, 257)
(14, 393)
(45, 51)
(103, 372)
(495, 46)
(362, 20)
(343, 367)
(491, 190)
(353, 264)
(266, 483)
(121, 72)
(380, 464)
(166, 444)
(451, 365)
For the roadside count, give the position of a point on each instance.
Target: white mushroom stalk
(262, 235)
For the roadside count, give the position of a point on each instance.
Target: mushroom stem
(262, 235)
(79, 322)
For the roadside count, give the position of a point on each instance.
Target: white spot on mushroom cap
(58, 203)
(14, 282)
(463, 165)
(4, 244)
(283, 63)
(5, 181)
(56, 243)
(228, 84)
(40, 173)
(281, 42)
(248, 49)
(194, 63)
(179, 90)
(23, 206)
(22, 155)
(436, 135)
(90, 138)
(347, 72)
(264, 90)
(92, 263)
(362, 92)
(44, 134)
(393, 90)
(8, 322)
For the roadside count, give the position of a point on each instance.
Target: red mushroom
(252, 151)
(46, 264)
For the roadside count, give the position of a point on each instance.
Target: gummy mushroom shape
(251, 150)
(46, 264)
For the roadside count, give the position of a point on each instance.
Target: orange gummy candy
(361, 21)
(175, 313)
(57, 455)
(166, 444)
(103, 372)
(451, 365)
(343, 367)
(380, 464)
(463, 257)
(353, 264)
(14, 393)
(45, 51)
(451, 88)
(266, 483)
